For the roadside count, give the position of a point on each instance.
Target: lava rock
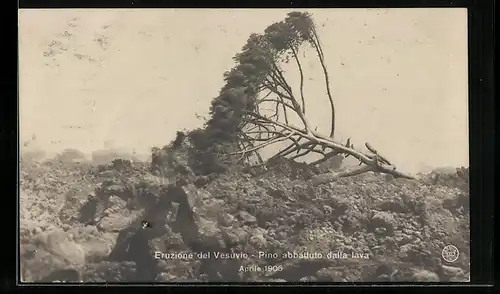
(425, 276)
(382, 219)
(247, 217)
(226, 219)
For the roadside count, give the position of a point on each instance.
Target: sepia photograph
(243, 145)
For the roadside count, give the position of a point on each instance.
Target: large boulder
(55, 251)
(52, 251)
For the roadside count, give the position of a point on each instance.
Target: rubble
(84, 222)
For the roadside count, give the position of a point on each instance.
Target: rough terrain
(84, 222)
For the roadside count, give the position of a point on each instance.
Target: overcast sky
(91, 79)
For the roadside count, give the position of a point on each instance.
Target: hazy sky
(131, 78)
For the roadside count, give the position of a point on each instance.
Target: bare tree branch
(319, 50)
(372, 162)
(330, 177)
(325, 157)
(296, 57)
(260, 146)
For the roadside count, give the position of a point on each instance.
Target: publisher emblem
(450, 253)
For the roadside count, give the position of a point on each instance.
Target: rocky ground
(83, 222)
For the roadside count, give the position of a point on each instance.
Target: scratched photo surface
(249, 145)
